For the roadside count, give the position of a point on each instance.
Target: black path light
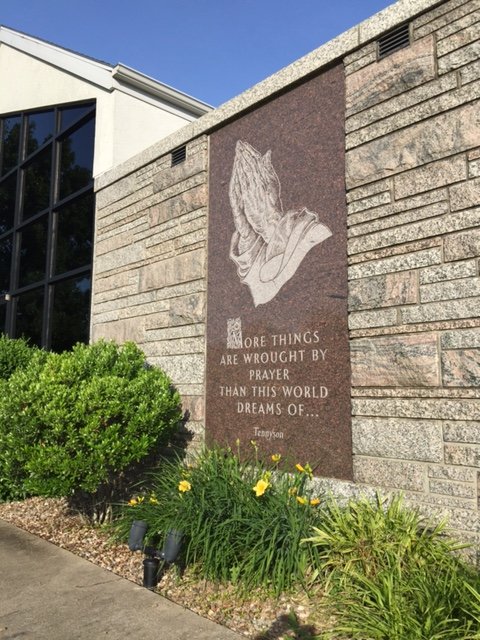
(151, 564)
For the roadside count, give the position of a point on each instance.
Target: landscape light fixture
(151, 564)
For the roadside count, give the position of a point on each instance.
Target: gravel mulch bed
(260, 617)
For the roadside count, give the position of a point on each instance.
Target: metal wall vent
(394, 40)
(179, 155)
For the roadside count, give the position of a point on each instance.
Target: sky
(210, 49)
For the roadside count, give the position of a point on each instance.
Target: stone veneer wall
(150, 267)
(413, 188)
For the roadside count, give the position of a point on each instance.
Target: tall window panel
(47, 224)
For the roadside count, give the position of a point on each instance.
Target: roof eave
(93, 71)
(127, 76)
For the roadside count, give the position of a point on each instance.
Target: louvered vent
(179, 155)
(393, 41)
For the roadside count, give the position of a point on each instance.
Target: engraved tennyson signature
(268, 244)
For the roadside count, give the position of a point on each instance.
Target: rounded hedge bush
(74, 424)
(14, 354)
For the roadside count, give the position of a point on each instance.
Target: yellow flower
(292, 491)
(153, 500)
(276, 457)
(307, 469)
(260, 488)
(184, 485)
(301, 500)
(314, 501)
(140, 499)
(132, 502)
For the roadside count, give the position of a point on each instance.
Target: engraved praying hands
(268, 244)
(254, 195)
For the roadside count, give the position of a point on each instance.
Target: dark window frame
(85, 111)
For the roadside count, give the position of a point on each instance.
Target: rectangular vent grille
(179, 155)
(393, 41)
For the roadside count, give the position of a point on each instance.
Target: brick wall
(413, 188)
(150, 267)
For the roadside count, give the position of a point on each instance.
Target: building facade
(68, 119)
(401, 92)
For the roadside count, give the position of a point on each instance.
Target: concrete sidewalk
(47, 593)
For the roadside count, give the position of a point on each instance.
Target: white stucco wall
(136, 124)
(126, 122)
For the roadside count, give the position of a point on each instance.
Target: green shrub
(14, 354)
(429, 603)
(242, 521)
(392, 576)
(17, 431)
(73, 424)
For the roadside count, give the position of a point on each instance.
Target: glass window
(33, 252)
(5, 263)
(10, 142)
(76, 160)
(69, 115)
(40, 128)
(46, 250)
(29, 316)
(71, 313)
(8, 191)
(37, 178)
(74, 235)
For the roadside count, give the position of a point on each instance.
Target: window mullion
(52, 240)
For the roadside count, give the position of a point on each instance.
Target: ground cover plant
(74, 424)
(243, 521)
(390, 575)
(382, 571)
